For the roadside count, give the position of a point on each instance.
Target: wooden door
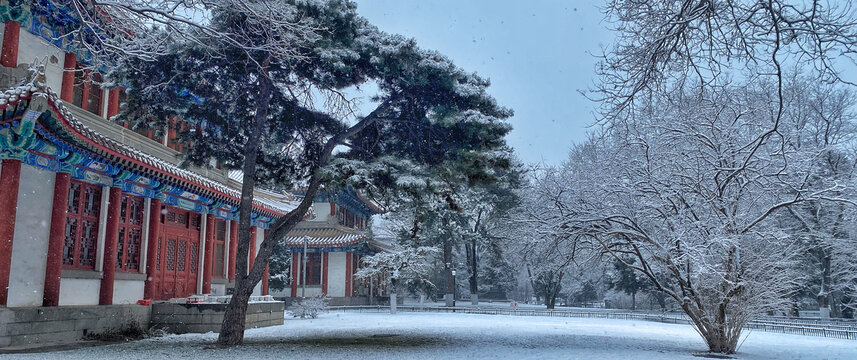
(178, 254)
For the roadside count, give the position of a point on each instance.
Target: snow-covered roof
(123, 154)
(323, 237)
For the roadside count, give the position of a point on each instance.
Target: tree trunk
(393, 285)
(550, 296)
(824, 294)
(634, 301)
(472, 265)
(232, 329)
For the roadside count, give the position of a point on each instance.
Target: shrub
(309, 307)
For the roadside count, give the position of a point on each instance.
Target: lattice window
(181, 257)
(158, 262)
(74, 198)
(81, 225)
(89, 239)
(92, 198)
(195, 221)
(69, 241)
(171, 254)
(132, 258)
(129, 239)
(219, 247)
(179, 218)
(136, 211)
(120, 247)
(194, 257)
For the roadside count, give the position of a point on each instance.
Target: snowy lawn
(349, 335)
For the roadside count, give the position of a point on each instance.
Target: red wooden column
(233, 248)
(324, 273)
(152, 248)
(348, 274)
(10, 177)
(11, 34)
(295, 273)
(209, 254)
(67, 90)
(252, 252)
(105, 295)
(113, 103)
(267, 272)
(53, 268)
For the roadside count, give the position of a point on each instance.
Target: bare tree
(663, 43)
(688, 190)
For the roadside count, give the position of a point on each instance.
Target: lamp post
(453, 287)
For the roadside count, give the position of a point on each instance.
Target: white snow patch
(350, 335)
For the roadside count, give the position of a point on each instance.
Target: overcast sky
(538, 55)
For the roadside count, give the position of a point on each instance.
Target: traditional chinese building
(327, 246)
(91, 211)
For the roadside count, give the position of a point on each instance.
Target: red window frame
(313, 269)
(87, 93)
(81, 225)
(219, 248)
(130, 237)
(95, 94)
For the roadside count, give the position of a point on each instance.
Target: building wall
(30, 244)
(75, 291)
(127, 291)
(336, 274)
(322, 211)
(33, 48)
(311, 290)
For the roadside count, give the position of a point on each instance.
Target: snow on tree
(280, 267)
(452, 205)
(662, 43)
(403, 266)
(541, 250)
(687, 189)
(823, 226)
(256, 111)
(145, 29)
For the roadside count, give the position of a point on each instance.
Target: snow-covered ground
(350, 335)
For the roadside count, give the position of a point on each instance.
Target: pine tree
(255, 111)
(626, 279)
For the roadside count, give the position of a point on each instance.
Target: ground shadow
(372, 340)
